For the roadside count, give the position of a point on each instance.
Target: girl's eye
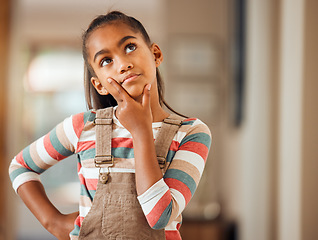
(130, 48)
(105, 62)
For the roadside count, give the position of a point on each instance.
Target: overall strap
(103, 130)
(168, 130)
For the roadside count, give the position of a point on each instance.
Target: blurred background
(247, 68)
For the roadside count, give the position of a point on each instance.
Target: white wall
(257, 129)
(290, 120)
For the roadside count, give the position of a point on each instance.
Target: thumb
(146, 95)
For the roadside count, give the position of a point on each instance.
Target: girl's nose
(124, 66)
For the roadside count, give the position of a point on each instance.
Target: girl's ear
(156, 51)
(98, 86)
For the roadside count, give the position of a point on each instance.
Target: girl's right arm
(33, 195)
(26, 167)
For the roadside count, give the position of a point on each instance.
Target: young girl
(127, 190)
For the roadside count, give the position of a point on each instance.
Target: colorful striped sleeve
(163, 202)
(58, 144)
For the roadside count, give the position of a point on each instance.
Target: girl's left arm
(146, 164)
(163, 202)
(136, 117)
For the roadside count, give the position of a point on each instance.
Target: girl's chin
(135, 92)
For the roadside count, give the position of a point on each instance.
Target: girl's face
(116, 51)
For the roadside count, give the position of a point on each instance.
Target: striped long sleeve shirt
(162, 203)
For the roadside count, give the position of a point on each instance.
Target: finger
(146, 95)
(117, 91)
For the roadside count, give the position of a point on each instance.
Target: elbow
(161, 223)
(159, 219)
(158, 227)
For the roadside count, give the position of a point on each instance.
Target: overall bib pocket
(123, 218)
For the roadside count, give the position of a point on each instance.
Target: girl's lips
(130, 78)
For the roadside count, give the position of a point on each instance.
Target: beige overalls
(116, 213)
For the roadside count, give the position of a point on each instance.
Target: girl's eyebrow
(120, 42)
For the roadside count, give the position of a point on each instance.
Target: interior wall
(257, 134)
(4, 46)
(290, 119)
(309, 193)
(279, 161)
(16, 68)
(298, 133)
